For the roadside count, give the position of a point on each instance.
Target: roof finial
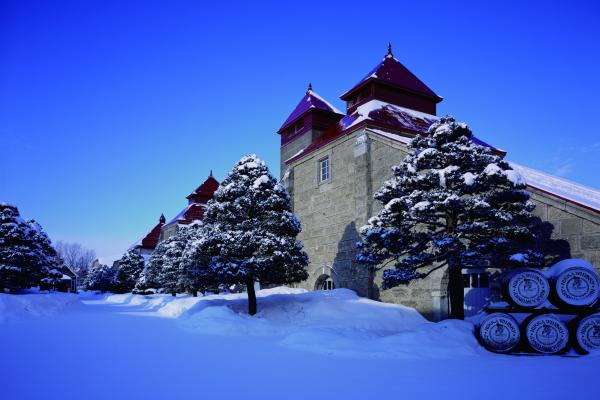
(162, 219)
(390, 54)
(210, 174)
(309, 88)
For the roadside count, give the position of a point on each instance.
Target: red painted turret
(205, 191)
(393, 83)
(312, 113)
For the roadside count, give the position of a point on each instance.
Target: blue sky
(112, 112)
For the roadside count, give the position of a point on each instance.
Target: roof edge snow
(565, 189)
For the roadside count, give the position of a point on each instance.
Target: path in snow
(99, 350)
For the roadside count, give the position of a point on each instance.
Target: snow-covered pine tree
(250, 231)
(165, 266)
(131, 266)
(171, 270)
(196, 276)
(451, 202)
(49, 262)
(100, 277)
(24, 255)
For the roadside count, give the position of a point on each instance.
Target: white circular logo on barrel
(499, 332)
(528, 288)
(578, 286)
(547, 334)
(588, 333)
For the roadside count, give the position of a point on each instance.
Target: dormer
(313, 114)
(392, 82)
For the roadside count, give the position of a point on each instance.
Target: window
(324, 170)
(476, 280)
(328, 284)
(325, 282)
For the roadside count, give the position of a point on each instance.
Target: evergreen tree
(165, 267)
(249, 231)
(48, 262)
(100, 277)
(131, 266)
(450, 203)
(199, 276)
(170, 270)
(196, 273)
(26, 256)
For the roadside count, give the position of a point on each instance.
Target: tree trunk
(173, 294)
(194, 293)
(456, 292)
(251, 296)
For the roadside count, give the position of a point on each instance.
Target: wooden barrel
(586, 335)
(575, 284)
(499, 332)
(546, 334)
(526, 288)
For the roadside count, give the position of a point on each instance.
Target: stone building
(333, 162)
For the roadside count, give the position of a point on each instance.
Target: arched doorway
(325, 282)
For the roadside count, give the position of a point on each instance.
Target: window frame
(320, 169)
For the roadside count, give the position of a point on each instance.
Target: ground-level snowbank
(16, 307)
(164, 305)
(332, 322)
(329, 322)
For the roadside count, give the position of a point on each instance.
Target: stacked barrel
(550, 311)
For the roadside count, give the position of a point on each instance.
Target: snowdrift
(16, 307)
(336, 322)
(332, 322)
(164, 305)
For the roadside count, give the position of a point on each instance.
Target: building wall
(292, 148)
(573, 230)
(333, 212)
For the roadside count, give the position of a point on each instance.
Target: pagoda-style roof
(205, 191)
(310, 101)
(151, 239)
(391, 72)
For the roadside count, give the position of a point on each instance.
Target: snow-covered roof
(385, 115)
(310, 101)
(179, 216)
(380, 110)
(560, 187)
(192, 212)
(389, 135)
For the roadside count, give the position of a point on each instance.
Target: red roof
(197, 203)
(151, 239)
(310, 101)
(384, 116)
(205, 191)
(391, 72)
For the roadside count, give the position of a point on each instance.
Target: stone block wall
(333, 212)
(327, 211)
(573, 230)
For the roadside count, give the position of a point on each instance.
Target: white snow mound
(332, 322)
(164, 305)
(16, 307)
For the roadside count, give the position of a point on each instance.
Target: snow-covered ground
(300, 345)
(33, 304)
